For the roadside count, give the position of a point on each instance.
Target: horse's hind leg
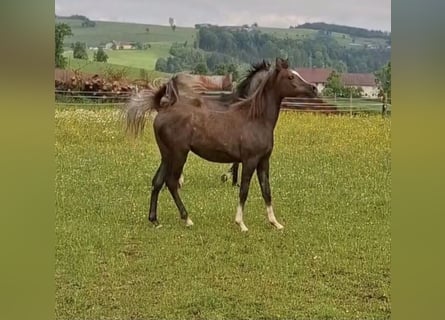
(172, 181)
(233, 172)
(157, 183)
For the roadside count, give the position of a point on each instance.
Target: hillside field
(161, 37)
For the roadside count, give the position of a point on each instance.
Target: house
(364, 80)
(319, 77)
(122, 45)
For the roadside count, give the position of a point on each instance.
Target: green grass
(101, 67)
(133, 58)
(330, 180)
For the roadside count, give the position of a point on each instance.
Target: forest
(217, 46)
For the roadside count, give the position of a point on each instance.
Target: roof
(358, 79)
(320, 75)
(314, 75)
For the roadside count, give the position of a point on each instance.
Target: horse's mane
(254, 103)
(243, 88)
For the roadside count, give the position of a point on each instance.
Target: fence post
(384, 105)
(350, 102)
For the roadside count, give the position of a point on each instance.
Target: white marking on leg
(188, 222)
(239, 218)
(272, 219)
(181, 180)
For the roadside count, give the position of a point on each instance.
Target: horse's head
(290, 84)
(171, 94)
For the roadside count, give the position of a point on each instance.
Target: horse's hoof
(278, 225)
(224, 178)
(188, 222)
(154, 221)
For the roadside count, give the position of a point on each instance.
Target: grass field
(108, 31)
(101, 67)
(133, 58)
(342, 39)
(330, 179)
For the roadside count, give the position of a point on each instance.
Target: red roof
(320, 75)
(314, 75)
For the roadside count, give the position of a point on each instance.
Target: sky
(369, 14)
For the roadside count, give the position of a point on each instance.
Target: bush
(100, 55)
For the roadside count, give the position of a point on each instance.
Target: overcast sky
(370, 14)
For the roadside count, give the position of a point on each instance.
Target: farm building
(319, 77)
(123, 45)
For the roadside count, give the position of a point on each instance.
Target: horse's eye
(291, 77)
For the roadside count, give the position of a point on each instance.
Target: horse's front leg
(234, 171)
(263, 179)
(181, 180)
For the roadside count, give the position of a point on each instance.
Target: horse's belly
(215, 155)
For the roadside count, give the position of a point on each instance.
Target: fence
(330, 105)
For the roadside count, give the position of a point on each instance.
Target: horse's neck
(271, 102)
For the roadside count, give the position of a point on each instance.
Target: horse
(243, 133)
(246, 87)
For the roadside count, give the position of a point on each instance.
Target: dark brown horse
(243, 133)
(246, 88)
(258, 71)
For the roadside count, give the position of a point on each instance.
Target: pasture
(330, 180)
(145, 59)
(106, 31)
(93, 67)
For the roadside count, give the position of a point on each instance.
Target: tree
(233, 69)
(100, 55)
(221, 69)
(88, 23)
(383, 79)
(333, 85)
(172, 23)
(139, 46)
(80, 51)
(161, 65)
(200, 68)
(62, 30)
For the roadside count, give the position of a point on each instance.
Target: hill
(160, 39)
(105, 31)
(352, 31)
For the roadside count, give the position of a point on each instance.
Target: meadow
(330, 180)
(107, 31)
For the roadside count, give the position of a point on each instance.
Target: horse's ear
(279, 64)
(285, 63)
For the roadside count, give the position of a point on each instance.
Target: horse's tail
(140, 105)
